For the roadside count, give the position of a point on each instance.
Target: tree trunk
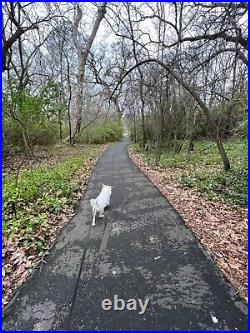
(60, 123)
(159, 136)
(79, 97)
(143, 139)
(143, 123)
(135, 138)
(83, 52)
(223, 153)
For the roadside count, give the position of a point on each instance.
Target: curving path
(141, 249)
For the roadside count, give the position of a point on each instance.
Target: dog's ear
(103, 185)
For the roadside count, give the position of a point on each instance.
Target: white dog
(101, 202)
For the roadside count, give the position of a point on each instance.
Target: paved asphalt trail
(140, 249)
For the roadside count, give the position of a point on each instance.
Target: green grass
(202, 169)
(40, 192)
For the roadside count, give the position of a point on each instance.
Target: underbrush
(102, 132)
(202, 169)
(43, 134)
(46, 190)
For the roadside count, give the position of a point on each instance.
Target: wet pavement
(141, 250)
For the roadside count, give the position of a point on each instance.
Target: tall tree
(83, 51)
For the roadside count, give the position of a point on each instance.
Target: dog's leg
(101, 213)
(94, 214)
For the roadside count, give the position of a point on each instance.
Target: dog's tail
(94, 207)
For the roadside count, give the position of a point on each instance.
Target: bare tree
(83, 51)
(18, 18)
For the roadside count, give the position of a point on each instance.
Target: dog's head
(107, 188)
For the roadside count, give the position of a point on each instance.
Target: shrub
(45, 133)
(102, 132)
(38, 114)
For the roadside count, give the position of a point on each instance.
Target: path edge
(41, 262)
(233, 292)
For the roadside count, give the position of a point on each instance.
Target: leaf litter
(221, 229)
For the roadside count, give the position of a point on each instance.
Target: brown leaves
(16, 267)
(221, 229)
